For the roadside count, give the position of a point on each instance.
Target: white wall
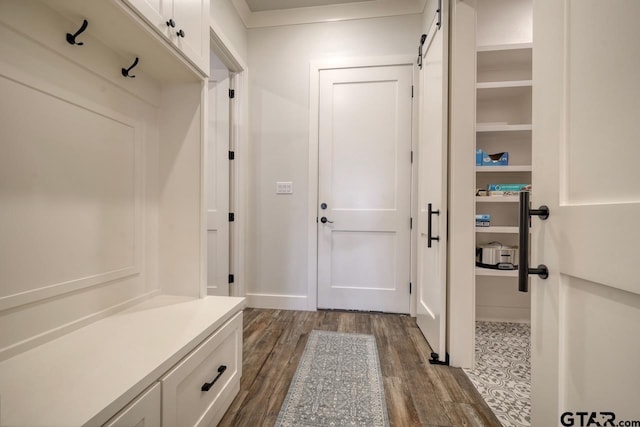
(279, 60)
(226, 19)
(504, 21)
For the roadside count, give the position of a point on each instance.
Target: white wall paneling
(93, 179)
(71, 200)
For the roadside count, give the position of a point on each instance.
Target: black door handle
(430, 213)
(523, 229)
(324, 220)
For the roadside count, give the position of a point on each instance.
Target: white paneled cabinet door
(153, 11)
(364, 188)
(585, 316)
(191, 31)
(144, 411)
(432, 189)
(185, 23)
(218, 185)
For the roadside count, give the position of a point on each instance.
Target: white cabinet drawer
(142, 411)
(184, 402)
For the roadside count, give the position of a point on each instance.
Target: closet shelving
(497, 199)
(503, 123)
(500, 229)
(496, 273)
(494, 169)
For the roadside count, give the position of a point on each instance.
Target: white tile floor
(503, 370)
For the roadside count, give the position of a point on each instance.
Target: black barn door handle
(430, 213)
(523, 229)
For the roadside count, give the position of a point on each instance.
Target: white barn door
(586, 315)
(432, 187)
(364, 188)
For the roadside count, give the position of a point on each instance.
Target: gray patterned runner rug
(337, 383)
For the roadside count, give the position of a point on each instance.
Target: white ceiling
(271, 13)
(261, 5)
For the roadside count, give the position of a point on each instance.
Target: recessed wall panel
(68, 191)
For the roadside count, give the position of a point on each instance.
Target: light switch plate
(284, 187)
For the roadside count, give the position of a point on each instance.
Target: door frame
(461, 288)
(315, 66)
(239, 143)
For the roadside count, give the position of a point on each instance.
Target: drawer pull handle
(207, 386)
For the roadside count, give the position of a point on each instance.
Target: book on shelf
(502, 193)
(508, 187)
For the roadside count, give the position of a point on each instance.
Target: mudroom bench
(170, 361)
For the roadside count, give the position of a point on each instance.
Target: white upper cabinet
(183, 22)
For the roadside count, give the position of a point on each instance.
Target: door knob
(523, 229)
(171, 23)
(324, 220)
(180, 33)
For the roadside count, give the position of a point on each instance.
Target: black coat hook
(125, 71)
(71, 38)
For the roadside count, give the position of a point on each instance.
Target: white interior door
(364, 188)
(586, 315)
(218, 185)
(432, 189)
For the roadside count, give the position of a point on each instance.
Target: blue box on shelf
(483, 220)
(497, 159)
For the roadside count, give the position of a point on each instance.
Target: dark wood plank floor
(417, 393)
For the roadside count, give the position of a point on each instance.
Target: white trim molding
(328, 13)
(236, 64)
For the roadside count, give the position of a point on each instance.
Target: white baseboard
(490, 313)
(278, 302)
